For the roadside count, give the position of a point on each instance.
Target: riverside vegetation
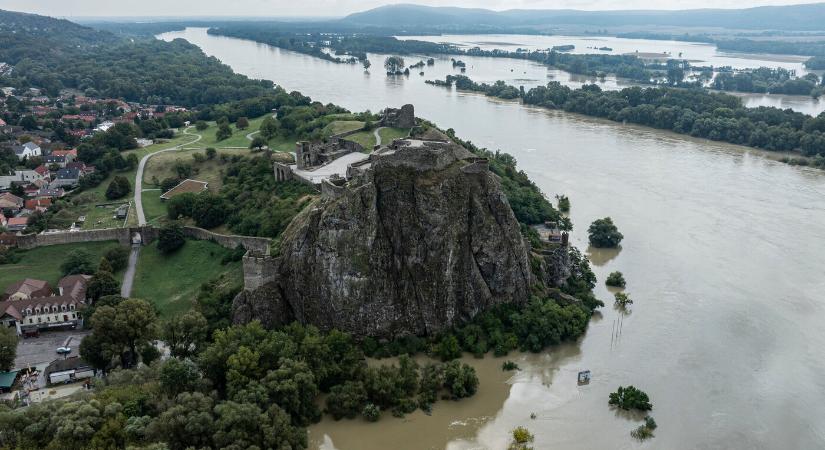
(694, 112)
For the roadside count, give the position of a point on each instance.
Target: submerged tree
(394, 64)
(603, 233)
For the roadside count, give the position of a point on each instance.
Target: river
(723, 254)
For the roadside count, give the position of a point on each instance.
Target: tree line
(694, 112)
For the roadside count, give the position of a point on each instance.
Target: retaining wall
(256, 245)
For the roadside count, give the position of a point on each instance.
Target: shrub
(118, 257)
(448, 348)
(604, 234)
(210, 153)
(615, 279)
(168, 183)
(198, 157)
(644, 431)
(623, 300)
(521, 437)
(460, 380)
(170, 238)
(346, 400)
(371, 413)
(201, 125)
(118, 188)
(564, 203)
(628, 398)
(78, 262)
(509, 365)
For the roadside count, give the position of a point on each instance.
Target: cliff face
(421, 239)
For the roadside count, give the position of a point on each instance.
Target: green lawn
(172, 282)
(390, 134)
(43, 263)
(342, 126)
(153, 206)
(238, 138)
(365, 138)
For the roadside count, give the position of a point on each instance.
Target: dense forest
(694, 112)
(768, 80)
(100, 64)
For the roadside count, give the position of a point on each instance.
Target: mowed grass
(238, 138)
(154, 209)
(365, 138)
(390, 134)
(171, 282)
(43, 263)
(161, 166)
(342, 126)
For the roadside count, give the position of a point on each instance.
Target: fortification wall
(257, 245)
(257, 271)
(121, 235)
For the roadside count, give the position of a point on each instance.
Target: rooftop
(184, 187)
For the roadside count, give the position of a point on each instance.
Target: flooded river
(723, 254)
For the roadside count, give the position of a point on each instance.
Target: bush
(170, 238)
(201, 125)
(78, 262)
(564, 203)
(615, 279)
(224, 132)
(371, 413)
(623, 300)
(198, 157)
(460, 380)
(628, 398)
(118, 188)
(509, 365)
(210, 153)
(521, 437)
(118, 257)
(168, 183)
(645, 431)
(242, 123)
(448, 348)
(234, 256)
(604, 234)
(346, 400)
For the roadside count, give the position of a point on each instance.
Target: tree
(371, 412)
(118, 188)
(623, 300)
(269, 127)
(615, 279)
(604, 234)
(521, 439)
(242, 123)
(448, 348)
(346, 400)
(78, 262)
(121, 330)
(224, 132)
(8, 348)
(394, 64)
(628, 398)
(105, 266)
(178, 376)
(118, 257)
(186, 334)
(460, 380)
(209, 210)
(103, 283)
(168, 183)
(564, 203)
(211, 153)
(201, 125)
(366, 63)
(645, 431)
(170, 238)
(258, 143)
(189, 423)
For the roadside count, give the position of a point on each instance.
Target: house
(68, 370)
(184, 187)
(38, 204)
(10, 202)
(42, 170)
(82, 167)
(27, 150)
(66, 176)
(57, 160)
(122, 211)
(142, 142)
(20, 177)
(104, 127)
(50, 192)
(70, 155)
(26, 289)
(42, 310)
(17, 223)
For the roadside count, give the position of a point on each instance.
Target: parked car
(64, 350)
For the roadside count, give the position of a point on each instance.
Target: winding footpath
(377, 136)
(129, 276)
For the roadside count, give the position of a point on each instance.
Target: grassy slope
(389, 134)
(172, 282)
(342, 126)
(367, 138)
(43, 263)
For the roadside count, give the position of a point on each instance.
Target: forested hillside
(55, 54)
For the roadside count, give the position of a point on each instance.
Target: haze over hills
(807, 17)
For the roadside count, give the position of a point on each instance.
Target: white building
(27, 150)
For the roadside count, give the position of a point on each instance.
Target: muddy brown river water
(724, 254)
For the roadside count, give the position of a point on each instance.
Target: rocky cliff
(421, 238)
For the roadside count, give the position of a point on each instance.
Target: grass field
(238, 138)
(390, 134)
(172, 282)
(211, 171)
(153, 207)
(342, 126)
(43, 263)
(367, 138)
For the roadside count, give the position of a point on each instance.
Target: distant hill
(47, 28)
(810, 17)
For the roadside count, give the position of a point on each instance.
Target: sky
(319, 8)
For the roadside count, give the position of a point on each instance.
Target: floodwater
(723, 254)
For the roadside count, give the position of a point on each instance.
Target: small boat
(584, 377)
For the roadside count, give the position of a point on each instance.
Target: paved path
(249, 136)
(377, 136)
(129, 276)
(139, 175)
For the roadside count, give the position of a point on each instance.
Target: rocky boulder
(423, 238)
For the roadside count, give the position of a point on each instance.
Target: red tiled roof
(42, 169)
(29, 286)
(72, 152)
(34, 203)
(18, 221)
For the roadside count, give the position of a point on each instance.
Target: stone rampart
(257, 271)
(121, 235)
(256, 245)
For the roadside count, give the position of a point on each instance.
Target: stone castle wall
(256, 245)
(257, 271)
(121, 235)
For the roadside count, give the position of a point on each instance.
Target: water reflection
(601, 256)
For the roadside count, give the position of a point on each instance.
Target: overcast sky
(275, 8)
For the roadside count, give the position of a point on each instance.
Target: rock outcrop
(422, 238)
